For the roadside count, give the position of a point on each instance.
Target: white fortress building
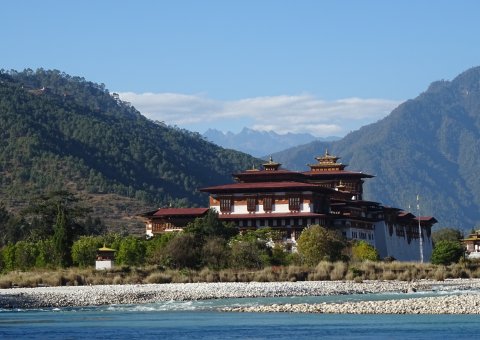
(289, 201)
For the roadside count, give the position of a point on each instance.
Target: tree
(8, 255)
(446, 252)
(183, 251)
(247, 254)
(61, 240)
(250, 249)
(43, 214)
(215, 253)
(210, 226)
(317, 243)
(446, 234)
(156, 248)
(46, 253)
(25, 255)
(84, 250)
(362, 251)
(131, 251)
(12, 228)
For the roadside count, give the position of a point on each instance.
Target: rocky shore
(137, 294)
(452, 304)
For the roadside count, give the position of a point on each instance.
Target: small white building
(105, 258)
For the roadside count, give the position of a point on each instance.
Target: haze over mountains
(429, 146)
(260, 143)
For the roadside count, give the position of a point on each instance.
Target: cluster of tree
(448, 247)
(55, 237)
(42, 234)
(55, 231)
(59, 131)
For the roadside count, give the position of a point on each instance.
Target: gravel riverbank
(136, 294)
(451, 304)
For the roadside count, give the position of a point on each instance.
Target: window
(267, 204)
(294, 203)
(251, 204)
(226, 205)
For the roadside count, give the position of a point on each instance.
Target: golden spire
(271, 165)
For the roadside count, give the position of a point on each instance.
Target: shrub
(247, 254)
(84, 250)
(446, 252)
(183, 252)
(362, 251)
(131, 251)
(215, 253)
(25, 255)
(317, 243)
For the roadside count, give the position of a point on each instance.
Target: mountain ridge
(426, 146)
(259, 143)
(62, 132)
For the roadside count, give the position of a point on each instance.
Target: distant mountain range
(260, 143)
(64, 132)
(429, 146)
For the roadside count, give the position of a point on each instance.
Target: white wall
(398, 246)
(103, 265)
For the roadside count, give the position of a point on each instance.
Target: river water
(203, 320)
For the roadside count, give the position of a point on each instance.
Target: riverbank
(138, 294)
(451, 304)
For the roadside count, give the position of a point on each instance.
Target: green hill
(63, 132)
(429, 145)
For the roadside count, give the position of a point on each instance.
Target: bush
(131, 251)
(246, 254)
(182, 251)
(84, 250)
(215, 253)
(362, 251)
(446, 252)
(317, 243)
(25, 255)
(156, 248)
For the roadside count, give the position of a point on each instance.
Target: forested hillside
(63, 132)
(429, 145)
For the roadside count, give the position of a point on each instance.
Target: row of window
(300, 222)
(362, 235)
(227, 203)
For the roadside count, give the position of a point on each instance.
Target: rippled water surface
(201, 319)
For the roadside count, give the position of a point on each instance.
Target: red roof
(192, 212)
(264, 186)
(405, 214)
(426, 219)
(268, 215)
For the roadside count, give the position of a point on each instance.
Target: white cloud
(282, 114)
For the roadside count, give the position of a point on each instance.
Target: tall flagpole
(419, 229)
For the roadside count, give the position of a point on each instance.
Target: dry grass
(403, 271)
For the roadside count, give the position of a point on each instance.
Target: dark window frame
(226, 204)
(268, 203)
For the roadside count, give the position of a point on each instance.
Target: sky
(322, 67)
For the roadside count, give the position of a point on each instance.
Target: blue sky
(325, 67)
